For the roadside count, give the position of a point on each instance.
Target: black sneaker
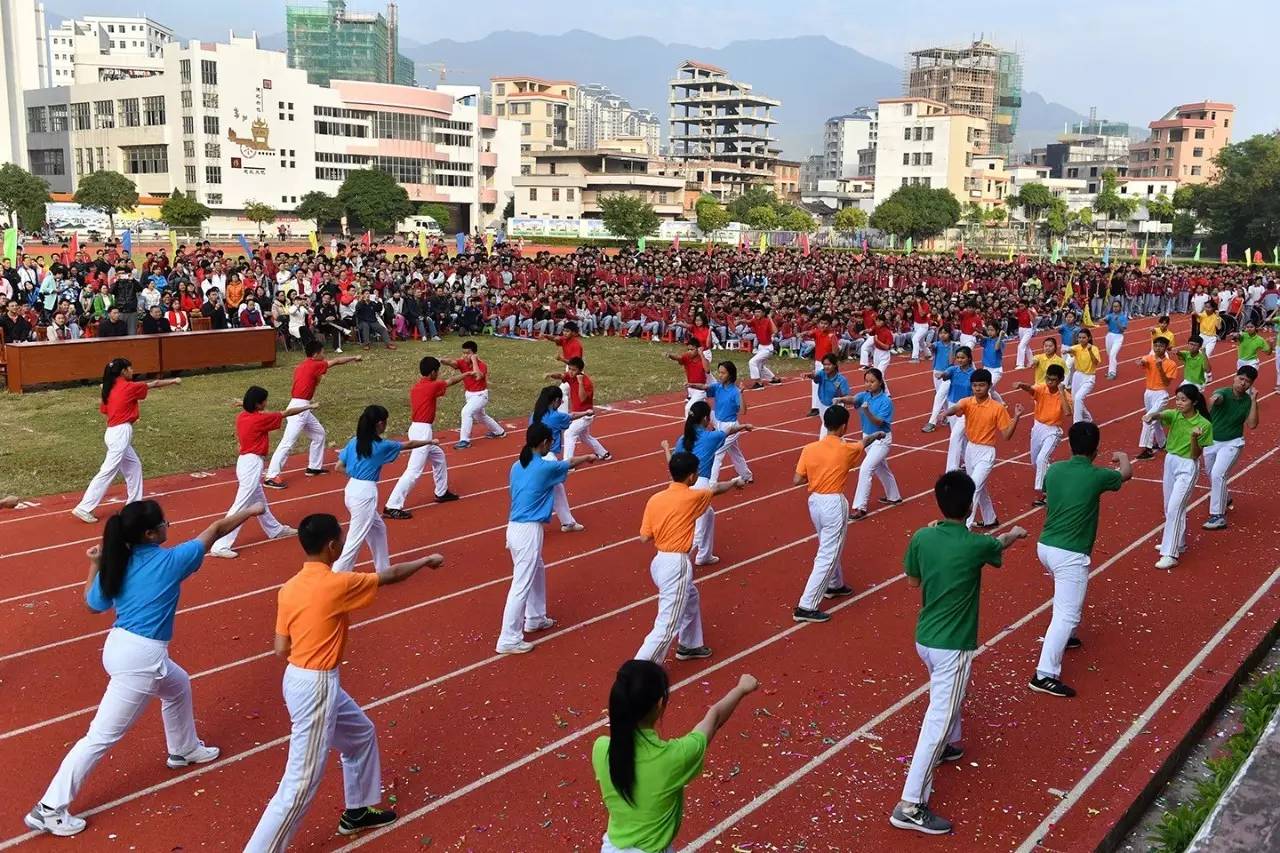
(357, 820)
(1147, 453)
(775, 381)
(757, 386)
(813, 413)
(837, 592)
(273, 483)
(1051, 686)
(686, 653)
(315, 472)
(1074, 643)
(397, 514)
(802, 614)
(992, 526)
(951, 752)
(890, 502)
(920, 819)
(1039, 502)
(446, 498)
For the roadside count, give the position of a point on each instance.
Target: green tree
(1110, 203)
(1085, 217)
(763, 216)
(628, 216)
(373, 200)
(974, 214)
(108, 192)
(710, 214)
(1242, 207)
(917, 212)
(1160, 208)
(1184, 227)
(1035, 200)
(1057, 219)
(31, 217)
(21, 190)
(796, 219)
(997, 215)
(753, 197)
(850, 219)
(183, 211)
(321, 207)
(259, 212)
(437, 211)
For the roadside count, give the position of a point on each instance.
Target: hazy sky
(1133, 59)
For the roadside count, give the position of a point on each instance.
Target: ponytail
(638, 688)
(535, 435)
(1196, 396)
(548, 399)
(114, 368)
(367, 429)
(698, 413)
(123, 531)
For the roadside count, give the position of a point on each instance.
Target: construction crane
(444, 70)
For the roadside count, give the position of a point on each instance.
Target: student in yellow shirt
(1040, 361)
(669, 519)
(1160, 370)
(1087, 358)
(1210, 324)
(1162, 330)
(824, 465)
(984, 418)
(1052, 409)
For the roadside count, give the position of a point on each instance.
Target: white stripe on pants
(418, 459)
(1024, 347)
(1152, 433)
(473, 410)
(949, 671)
(1044, 441)
(1115, 340)
(527, 598)
(121, 459)
(957, 444)
(322, 717)
(1070, 573)
(704, 529)
(979, 459)
(560, 498)
(731, 449)
(248, 492)
(918, 332)
(580, 430)
(1081, 386)
(876, 464)
(1219, 458)
(941, 387)
(679, 615)
(140, 668)
(367, 526)
(1179, 482)
(830, 516)
(295, 425)
(758, 366)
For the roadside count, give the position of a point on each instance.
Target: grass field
(54, 438)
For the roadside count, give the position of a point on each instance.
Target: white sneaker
(286, 532)
(519, 648)
(1166, 562)
(575, 527)
(54, 821)
(87, 518)
(224, 553)
(200, 755)
(545, 625)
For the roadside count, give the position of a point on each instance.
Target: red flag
(960, 252)
(1022, 259)
(1257, 257)
(73, 249)
(1133, 248)
(804, 244)
(708, 245)
(1222, 254)
(675, 244)
(367, 239)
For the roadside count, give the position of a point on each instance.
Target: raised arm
(1013, 535)
(719, 713)
(1123, 464)
(1252, 420)
(223, 526)
(735, 483)
(345, 359)
(579, 461)
(666, 450)
(297, 410)
(403, 571)
(161, 383)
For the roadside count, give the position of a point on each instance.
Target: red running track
(489, 753)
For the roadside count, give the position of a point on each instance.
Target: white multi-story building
(923, 143)
(101, 48)
(604, 114)
(25, 66)
(843, 137)
(230, 123)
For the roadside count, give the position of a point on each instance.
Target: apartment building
(25, 66)
(924, 143)
(230, 123)
(569, 184)
(98, 48)
(786, 179)
(843, 137)
(330, 42)
(547, 110)
(979, 79)
(1183, 143)
(604, 114)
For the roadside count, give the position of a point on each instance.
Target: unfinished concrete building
(979, 79)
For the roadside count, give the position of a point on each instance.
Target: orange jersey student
(1052, 409)
(984, 419)
(1160, 370)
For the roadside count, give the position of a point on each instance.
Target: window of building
(79, 161)
(1226, 122)
(130, 115)
(916, 159)
(526, 129)
(213, 198)
(104, 115)
(1197, 152)
(47, 161)
(918, 134)
(533, 193)
(210, 100)
(185, 98)
(189, 148)
(153, 110)
(906, 158)
(1168, 171)
(525, 148)
(548, 130)
(499, 89)
(145, 159)
(906, 109)
(906, 134)
(526, 169)
(905, 182)
(188, 125)
(213, 150)
(1168, 153)
(968, 159)
(928, 134)
(1093, 173)
(1195, 170)
(102, 159)
(501, 109)
(1199, 134)
(928, 159)
(58, 118)
(37, 119)
(211, 125)
(568, 194)
(208, 72)
(213, 174)
(926, 181)
(555, 193)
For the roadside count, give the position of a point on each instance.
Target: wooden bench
(39, 363)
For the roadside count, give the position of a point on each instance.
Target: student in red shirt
(695, 372)
(825, 342)
(306, 378)
(120, 398)
(570, 343)
(253, 426)
(475, 384)
(920, 319)
(581, 397)
(763, 327)
(423, 398)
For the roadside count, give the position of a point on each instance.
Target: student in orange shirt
(1160, 370)
(983, 419)
(311, 633)
(669, 519)
(1052, 409)
(825, 466)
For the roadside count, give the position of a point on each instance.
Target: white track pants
(693, 395)
(472, 411)
(979, 459)
(956, 446)
(1044, 441)
(730, 449)
(949, 671)
(295, 425)
(527, 599)
(758, 366)
(121, 459)
(875, 464)
(1115, 340)
(1152, 435)
(868, 344)
(1210, 344)
(580, 430)
(880, 359)
(814, 402)
(1219, 458)
(918, 333)
(249, 492)
(140, 668)
(366, 527)
(560, 498)
(830, 516)
(1179, 483)
(941, 387)
(996, 373)
(1081, 387)
(419, 457)
(704, 529)
(1070, 573)
(679, 615)
(1024, 347)
(322, 717)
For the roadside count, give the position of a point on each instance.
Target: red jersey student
(695, 371)
(423, 398)
(582, 394)
(475, 384)
(306, 379)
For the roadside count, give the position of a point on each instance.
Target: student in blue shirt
(875, 410)
(362, 459)
(1068, 330)
(959, 376)
(832, 388)
(993, 341)
(1117, 321)
(532, 483)
(131, 574)
(943, 352)
(704, 441)
(547, 411)
(728, 405)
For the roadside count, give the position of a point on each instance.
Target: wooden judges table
(68, 361)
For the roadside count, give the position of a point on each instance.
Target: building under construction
(979, 79)
(330, 43)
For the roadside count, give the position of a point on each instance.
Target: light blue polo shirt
(1068, 334)
(727, 400)
(961, 383)
(1117, 323)
(369, 467)
(149, 598)
(942, 353)
(881, 406)
(830, 387)
(993, 353)
(704, 447)
(532, 488)
(556, 421)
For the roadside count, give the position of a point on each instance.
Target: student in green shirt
(1073, 492)
(1251, 345)
(1189, 432)
(641, 776)
(1230, 411)
(945, 560)
(1195, 364)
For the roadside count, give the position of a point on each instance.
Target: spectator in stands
(250, 316)
(113, 325)
(155, 323)
(15, 325)
(126, 299)
(214, 310)
(61, 330)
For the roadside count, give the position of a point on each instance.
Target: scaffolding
(978, 79)
(330, 43)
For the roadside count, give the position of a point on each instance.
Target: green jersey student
(1230, 411)
(1189, 432)
(1195, 364)
(945, 560)
(641, 776)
